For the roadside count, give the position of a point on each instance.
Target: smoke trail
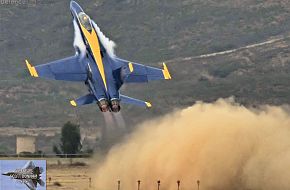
(78, 40)
(110, 132)
(224, 145)
(108, 44)
(119, 120)
(109, 120)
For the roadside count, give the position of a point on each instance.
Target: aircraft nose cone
(71, 4)
(74, 4)
(5, 174)
(75, 7)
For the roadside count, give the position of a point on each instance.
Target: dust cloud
(224, 145)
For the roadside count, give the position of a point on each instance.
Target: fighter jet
(28, 175)
(95, 64)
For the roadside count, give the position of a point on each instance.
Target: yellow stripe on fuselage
(93, 42)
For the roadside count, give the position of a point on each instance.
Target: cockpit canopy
(85, 21)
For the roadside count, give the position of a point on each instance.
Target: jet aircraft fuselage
(102, 80)
(30, 175)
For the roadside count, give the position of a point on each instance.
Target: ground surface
(68, 178)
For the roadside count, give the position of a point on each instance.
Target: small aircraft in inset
(28, 175)
(96, 65)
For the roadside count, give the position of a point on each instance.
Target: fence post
(198, 183)
(119, 184)
(138, 184)
(158, 185)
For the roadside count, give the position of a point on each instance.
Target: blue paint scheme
(64, 69)
(75, 9)
(87, 99)
(129, 100)
(84, 69)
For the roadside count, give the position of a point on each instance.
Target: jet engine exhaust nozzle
(115, 105)
(103, 105)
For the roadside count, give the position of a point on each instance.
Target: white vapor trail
(108, 44)
(120, 120)
(234, 50)
(78, 40)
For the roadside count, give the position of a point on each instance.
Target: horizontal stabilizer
(129, 100)
(87, 99)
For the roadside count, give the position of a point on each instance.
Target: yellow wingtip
(148, 104)
(31, 69)
(166, 72)
(131, 67)
(73, 103)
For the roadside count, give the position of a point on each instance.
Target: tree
(70, 139)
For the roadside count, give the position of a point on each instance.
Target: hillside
(148, 32)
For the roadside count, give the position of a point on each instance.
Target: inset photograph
(23, 174)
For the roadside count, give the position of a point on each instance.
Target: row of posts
(138, 182)
(158, 184)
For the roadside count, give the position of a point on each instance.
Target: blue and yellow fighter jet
(96, 66)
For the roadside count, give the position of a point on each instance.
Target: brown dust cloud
(224, 145)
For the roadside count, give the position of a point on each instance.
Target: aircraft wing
(138, 73)
(31, 184)
(67, 69)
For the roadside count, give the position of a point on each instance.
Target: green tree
(70, 139)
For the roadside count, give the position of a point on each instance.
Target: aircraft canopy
(85, 21)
